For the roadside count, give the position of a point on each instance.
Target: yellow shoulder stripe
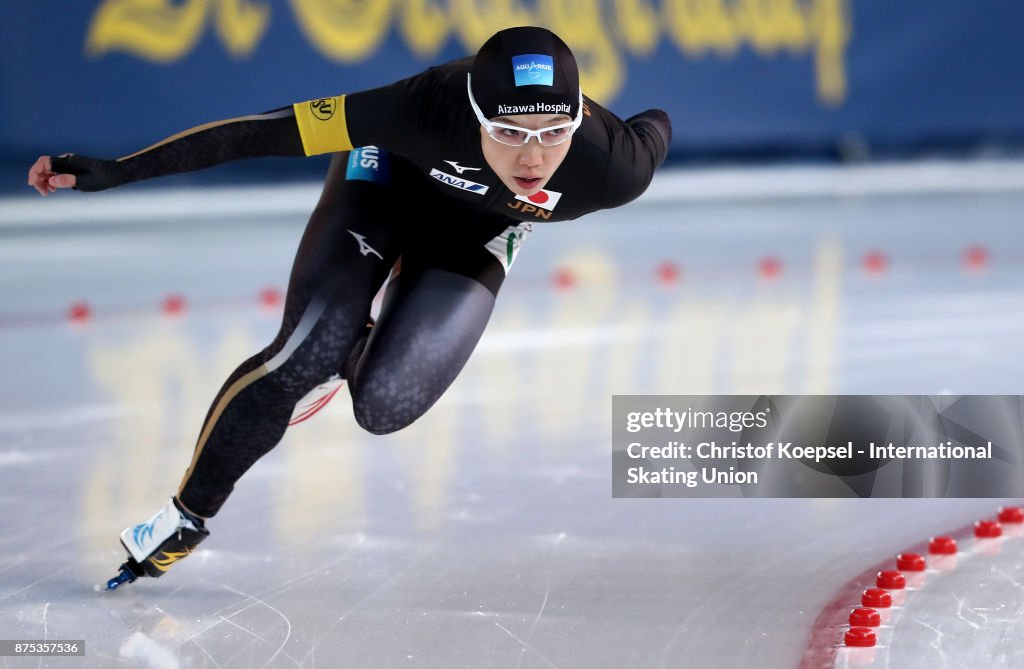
(322, 125)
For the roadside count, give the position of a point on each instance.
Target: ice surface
(485, 535)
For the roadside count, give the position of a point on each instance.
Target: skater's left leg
(431, 320)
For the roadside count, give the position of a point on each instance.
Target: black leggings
(433, 314)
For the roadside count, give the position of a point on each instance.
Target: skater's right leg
(349, 246)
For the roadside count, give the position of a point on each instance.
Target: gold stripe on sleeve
(322, 125)
(197, 129)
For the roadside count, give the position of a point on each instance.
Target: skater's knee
(379, 426)
(378, 422)
(379, 429)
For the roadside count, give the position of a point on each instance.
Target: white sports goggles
(513, 135)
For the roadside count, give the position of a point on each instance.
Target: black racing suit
(419, 189)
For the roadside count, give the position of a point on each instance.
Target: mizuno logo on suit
(365, 248)
(460, 169)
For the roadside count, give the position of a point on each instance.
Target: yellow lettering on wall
(832, 30)
(352, 30)
(578, 23)
(771, 24)
(241, 24)
(162, 31)
(637, 25)
(158, 30)
(819, 27)
(424, 26)
(699, 26)
(475, 20)
(344, 30)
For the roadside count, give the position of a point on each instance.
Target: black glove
(90, 174)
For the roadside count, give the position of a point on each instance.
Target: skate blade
(126, 575)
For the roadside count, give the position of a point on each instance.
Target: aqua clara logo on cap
(534, 69)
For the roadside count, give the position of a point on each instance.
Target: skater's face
(526, 168)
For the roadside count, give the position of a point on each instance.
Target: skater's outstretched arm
(274, 133)
(392, 117)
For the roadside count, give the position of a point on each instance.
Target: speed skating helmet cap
(523, 69)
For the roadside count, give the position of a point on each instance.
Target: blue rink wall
(737, 76)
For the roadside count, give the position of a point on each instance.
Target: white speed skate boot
(153, 546)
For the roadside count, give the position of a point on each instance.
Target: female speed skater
(447, 171)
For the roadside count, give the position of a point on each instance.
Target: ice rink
(485, 535)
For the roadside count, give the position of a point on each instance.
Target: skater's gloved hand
(71, 171)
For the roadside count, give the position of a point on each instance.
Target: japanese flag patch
(545, 199)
